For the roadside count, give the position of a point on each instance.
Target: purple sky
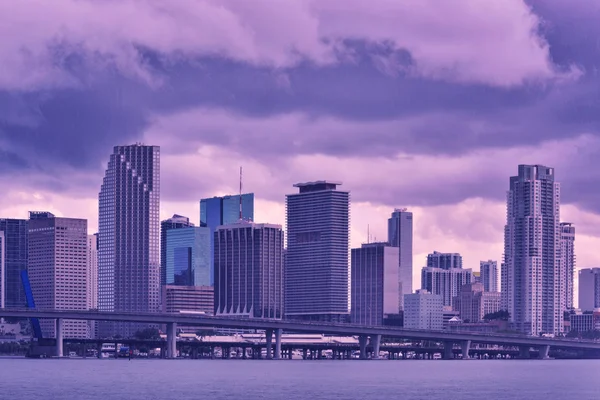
(426, 104)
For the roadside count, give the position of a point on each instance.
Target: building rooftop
(246, 224)
(317, 186)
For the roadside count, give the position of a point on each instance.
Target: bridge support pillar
(59, 337)
(99, 350)
(171, 340)
(524, 352)
(465, 346)
(304, 353)
(362, 341)
(269, 343)
(277, 354)
(376, 343)
(544, 351)
(448, 350)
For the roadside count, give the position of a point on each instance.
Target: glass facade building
(400, 235)
(375, 292)
(175, 222)
(188, 256)
(444, 260)
(249, 270)
(217, 211)
(317, 258)
(128, 236)
(15, 260)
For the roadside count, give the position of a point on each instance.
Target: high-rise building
(175, 222)
(473, 303)
(489, 275)
(445, 282)
(423, 310)
(58, 269)
(225, 210)
(188, 256)
(444, 260)
(249, 270)
(567, 259)
(532, 283)
(92, 272)
(589, 289)
(15, 260)
(375, 292)
(2, 271)
(317, 270)
(400, 235)
(128, 237)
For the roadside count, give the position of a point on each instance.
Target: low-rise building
(423, 310)
(473, 303)
(585, 322)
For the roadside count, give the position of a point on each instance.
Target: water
(297, 379)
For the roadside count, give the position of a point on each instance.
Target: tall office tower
(532, 285)
(445, 282)
(317, 272)
(128, 237)
(489, 275)
(92, 272)
(444, 260)
(473, 303)
(249, 270)
(217, 211)
(175, 222)
(58, 269)
(188, 256)
(375, 292)
(589, 289)
(567, 259)
(15, 260)
(400, 235)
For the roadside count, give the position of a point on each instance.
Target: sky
(423, 104)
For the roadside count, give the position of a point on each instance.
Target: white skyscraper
(489, 275)
(567, 258)
(400, 235)
(532, 283)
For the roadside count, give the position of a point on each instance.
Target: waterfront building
(444, 260)
(400, 235)
(473, 303)
(249, 270)
(191, 300)
(128, 236)
(2, 271)
(188, 257)
(533, 287)
(374, 284)
(15, 260)
(58, 269)
(567, 259)
(224, 210)
(589, 289)
(423, 310)
(175, 222)
(317, 270)
(585, 322)
(445, 282)
(489, 275)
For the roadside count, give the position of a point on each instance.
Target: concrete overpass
(276, 327)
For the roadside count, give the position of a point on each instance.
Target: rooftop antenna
(240, 192)
(368, 235)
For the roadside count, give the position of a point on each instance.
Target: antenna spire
(240, 192)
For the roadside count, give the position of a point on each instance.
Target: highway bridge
(366, 334)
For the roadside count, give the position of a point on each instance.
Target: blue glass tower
(217, 211)
(15, 260)
(188, 257)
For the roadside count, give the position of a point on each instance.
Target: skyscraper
(92, 271)
(445, 282)
(316, 275)
(58, 269)
(2, 271)
(567, 259)
(374, 281)
(249, 270)
(489, 275)
(444, 260)
(188, 256)
(400, 235)
(217, 211)
(175, 222)
(532, 285)
(15, 260)
(128, 237)
(589, 289)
